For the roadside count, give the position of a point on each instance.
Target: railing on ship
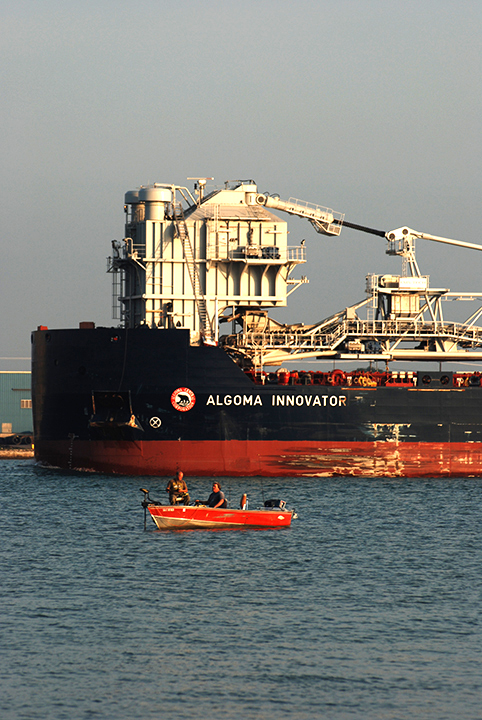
(256, 253)
(366, 379)
(138, 250)
(331, 333)
(219, 251)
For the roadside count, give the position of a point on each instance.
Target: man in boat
(177, 489)
(217, 499)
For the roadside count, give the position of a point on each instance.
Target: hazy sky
(371, 107)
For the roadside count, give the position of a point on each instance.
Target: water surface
(367, 607)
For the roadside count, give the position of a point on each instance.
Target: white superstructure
(195, 262)
(186, 267)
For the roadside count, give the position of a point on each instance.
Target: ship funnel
(155, 198)
(131, 197)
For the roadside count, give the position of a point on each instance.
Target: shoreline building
(16, 422)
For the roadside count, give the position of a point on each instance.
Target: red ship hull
(267, 458)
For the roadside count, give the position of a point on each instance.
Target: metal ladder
(183, 234)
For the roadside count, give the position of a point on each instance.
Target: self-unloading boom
(323, 219)
(401, 309)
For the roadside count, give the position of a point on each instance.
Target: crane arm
(405, 232)
(323, 219)
(327, 222)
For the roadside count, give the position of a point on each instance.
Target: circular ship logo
(183, 399)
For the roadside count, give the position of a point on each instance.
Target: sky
(369, 107)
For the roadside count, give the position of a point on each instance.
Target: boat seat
(281, 504)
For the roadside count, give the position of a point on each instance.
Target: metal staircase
(183, 234)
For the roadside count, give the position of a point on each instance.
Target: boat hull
(268, 459)
(182, 516)
(145, 402)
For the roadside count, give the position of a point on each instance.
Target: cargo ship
(196, 374)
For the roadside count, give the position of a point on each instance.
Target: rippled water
(367, 607)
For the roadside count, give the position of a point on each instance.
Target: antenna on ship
(199, 186)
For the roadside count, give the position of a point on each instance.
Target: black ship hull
(146, 402)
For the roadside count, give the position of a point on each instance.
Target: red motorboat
(273, 514)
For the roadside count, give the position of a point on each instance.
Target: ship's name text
(279, 400)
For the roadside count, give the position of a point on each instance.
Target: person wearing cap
(177, 489)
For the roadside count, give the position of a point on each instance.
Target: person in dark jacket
(177, 489)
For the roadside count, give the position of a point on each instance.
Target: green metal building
(15, 405)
